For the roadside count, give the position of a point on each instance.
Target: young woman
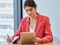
(34, 22)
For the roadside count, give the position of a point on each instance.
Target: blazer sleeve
(48, 34)
(18, 31)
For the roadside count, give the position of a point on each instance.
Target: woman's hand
(36, 40)
(8, 40)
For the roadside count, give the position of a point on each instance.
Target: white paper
(15, 38)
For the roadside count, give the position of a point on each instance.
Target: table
(51, 43)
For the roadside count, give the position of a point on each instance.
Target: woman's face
(31, 11)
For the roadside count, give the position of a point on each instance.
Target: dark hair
(30, 3)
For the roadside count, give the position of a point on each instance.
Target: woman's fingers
(8, 40)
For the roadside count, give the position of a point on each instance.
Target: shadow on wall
(56, 39)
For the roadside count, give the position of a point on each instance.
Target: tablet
(25, 37)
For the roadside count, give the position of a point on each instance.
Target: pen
(8, 36)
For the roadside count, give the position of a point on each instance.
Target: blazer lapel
(27, 24)
(38, 24)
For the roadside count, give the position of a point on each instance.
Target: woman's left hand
(37, 40)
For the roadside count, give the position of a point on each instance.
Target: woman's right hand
(8, 40)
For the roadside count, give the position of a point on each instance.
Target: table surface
(51, 43)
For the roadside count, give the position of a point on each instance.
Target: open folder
(15, 39)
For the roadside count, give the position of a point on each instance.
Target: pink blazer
(42, 28)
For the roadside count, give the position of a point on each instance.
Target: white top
(32, 30)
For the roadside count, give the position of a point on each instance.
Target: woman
(34, 22)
